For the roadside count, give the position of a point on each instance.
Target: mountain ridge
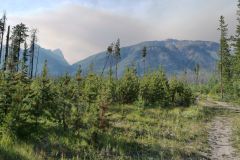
(179, 53)
(172, 55)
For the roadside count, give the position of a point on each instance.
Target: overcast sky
(81, 28)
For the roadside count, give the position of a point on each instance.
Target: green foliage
(180, 93)
(73, 116)
(40, 102)
(65, 94)
(154, 88)
(128, 87)
(92, 83)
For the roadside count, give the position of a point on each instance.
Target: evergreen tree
(225, 57)
(110, 55)
(19, 34)
(144, 55)
(128, 87)
(104, 100)
(65, 97)
(77, 100)
(40, 102)
(7, 93)
(196, 71)
(117, 55)
(92, 84)
(180, 93)
(236, 67)
(154, 88)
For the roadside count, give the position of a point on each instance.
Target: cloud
(81, 28)
(81, 31)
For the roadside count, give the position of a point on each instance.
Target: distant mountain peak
(58, 52)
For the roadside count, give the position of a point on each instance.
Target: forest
(106, 116)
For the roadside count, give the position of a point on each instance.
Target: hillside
(173, 55)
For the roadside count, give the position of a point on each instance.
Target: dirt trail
(220, 139)
(220, 133)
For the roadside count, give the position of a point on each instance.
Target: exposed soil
(220, 139)
(220, 133)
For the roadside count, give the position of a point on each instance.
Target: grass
(133, 133)
(236, 132)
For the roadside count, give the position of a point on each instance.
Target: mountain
(57, 65)
(174, 56)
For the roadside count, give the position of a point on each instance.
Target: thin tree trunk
(18, 55)
(32, 59)
(2, 36)
(221, 71)
(110, 73)
(64, 119)
(117, 68)
(6, 51)
(144, 67)
(36, 68)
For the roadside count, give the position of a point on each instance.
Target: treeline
(68, 101)
(12, 57)
(229, 61)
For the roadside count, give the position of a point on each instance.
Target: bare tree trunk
(6, 51)
(32, 54)
(221, 72)
(2, 36)
(144, 67)
(18, 55)
(36, 68)
(117, 68)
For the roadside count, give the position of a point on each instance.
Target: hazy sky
(81, 28)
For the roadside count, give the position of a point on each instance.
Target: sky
(81, 28)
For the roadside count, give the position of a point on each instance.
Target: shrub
(154, 88)
(128, 87)
(180, 93)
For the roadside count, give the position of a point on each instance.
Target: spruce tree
(7, 92)
(144, 55)
(40, 103)
(128, 87)
(77, 100)
(110, 55)
(92, 84)
(196, 71)
(225, 57)
(236, 67)
(117, 55)
(154, 88)
(65, 101)
(19, 34)
(104, 100)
